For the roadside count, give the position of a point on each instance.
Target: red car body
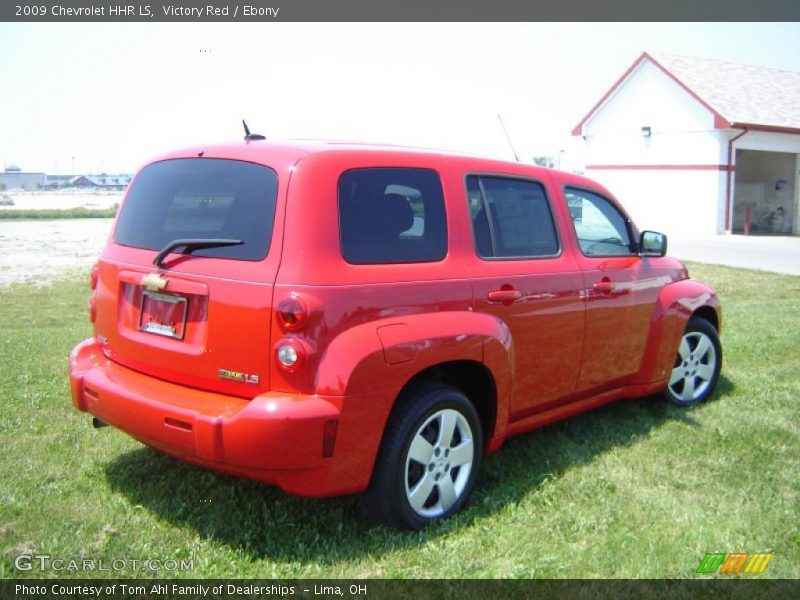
(530, 341)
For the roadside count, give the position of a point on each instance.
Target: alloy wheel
(695, 367)
(438, 463)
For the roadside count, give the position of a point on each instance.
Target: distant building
(103, 182)
(698, 146)
(14, 178)
(57, 181)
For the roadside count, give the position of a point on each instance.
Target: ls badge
(237, 376)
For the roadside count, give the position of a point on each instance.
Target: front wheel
(697, 364)
(429, 458)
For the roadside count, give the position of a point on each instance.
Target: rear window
(201, 198)
(392, 215)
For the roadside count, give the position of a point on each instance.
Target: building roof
(739, 96)
(102, 180)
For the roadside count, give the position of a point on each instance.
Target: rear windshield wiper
(192, 244)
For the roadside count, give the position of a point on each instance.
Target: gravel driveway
(39, 250)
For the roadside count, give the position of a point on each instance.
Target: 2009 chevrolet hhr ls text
(340, 318)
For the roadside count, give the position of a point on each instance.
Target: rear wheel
(429, 458)
(697, 364)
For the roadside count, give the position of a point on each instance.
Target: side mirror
(652, 243)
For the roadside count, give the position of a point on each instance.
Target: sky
(114, 95)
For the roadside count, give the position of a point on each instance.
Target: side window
(601, 229)
(511, 218)
(391, 215)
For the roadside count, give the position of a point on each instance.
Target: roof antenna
(508, 138)
(251, 136)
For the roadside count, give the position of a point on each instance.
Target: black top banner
(397, 10)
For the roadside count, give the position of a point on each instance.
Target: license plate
(163, 314)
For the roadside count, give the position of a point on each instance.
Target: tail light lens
(93, 275)
(292, 313)
(290, 353)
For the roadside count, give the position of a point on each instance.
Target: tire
(697, 364)
(429, 458)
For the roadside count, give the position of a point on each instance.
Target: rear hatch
(201, 316)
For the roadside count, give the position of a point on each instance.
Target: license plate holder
(163, 314)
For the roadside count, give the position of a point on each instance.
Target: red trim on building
(579, 127)
(729, 182)
(660, 167)
(772, 128)
(720, 122)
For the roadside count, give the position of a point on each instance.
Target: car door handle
(604, 287)
(505, 295)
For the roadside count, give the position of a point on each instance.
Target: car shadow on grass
(258, 521)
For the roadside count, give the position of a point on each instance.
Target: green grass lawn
(634, 489)
(79, 212)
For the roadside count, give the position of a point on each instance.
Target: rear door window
(201, 198)
(392, 215)
(511, 218)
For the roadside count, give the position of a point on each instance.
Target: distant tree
(545, 161)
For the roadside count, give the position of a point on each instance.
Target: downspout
(728, 187)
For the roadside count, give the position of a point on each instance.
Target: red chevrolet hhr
(338, 318)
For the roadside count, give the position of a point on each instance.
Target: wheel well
(709, 314)
(473, 380)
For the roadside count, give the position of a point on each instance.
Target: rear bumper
(275, 437)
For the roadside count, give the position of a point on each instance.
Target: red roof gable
(739, 96)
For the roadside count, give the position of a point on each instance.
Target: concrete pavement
(779, 254)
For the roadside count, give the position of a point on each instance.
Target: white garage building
(695, 146)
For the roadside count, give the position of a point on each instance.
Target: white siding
(768, 141)
(682, 129)
(678, 203)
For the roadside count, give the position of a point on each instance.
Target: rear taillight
(291, 353)
(292, 312)
(93, 275)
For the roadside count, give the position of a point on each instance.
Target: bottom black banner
(218, 589)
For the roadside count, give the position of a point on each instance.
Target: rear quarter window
(201, 198)
(391, 215)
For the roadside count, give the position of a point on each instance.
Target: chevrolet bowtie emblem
(154, 282)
